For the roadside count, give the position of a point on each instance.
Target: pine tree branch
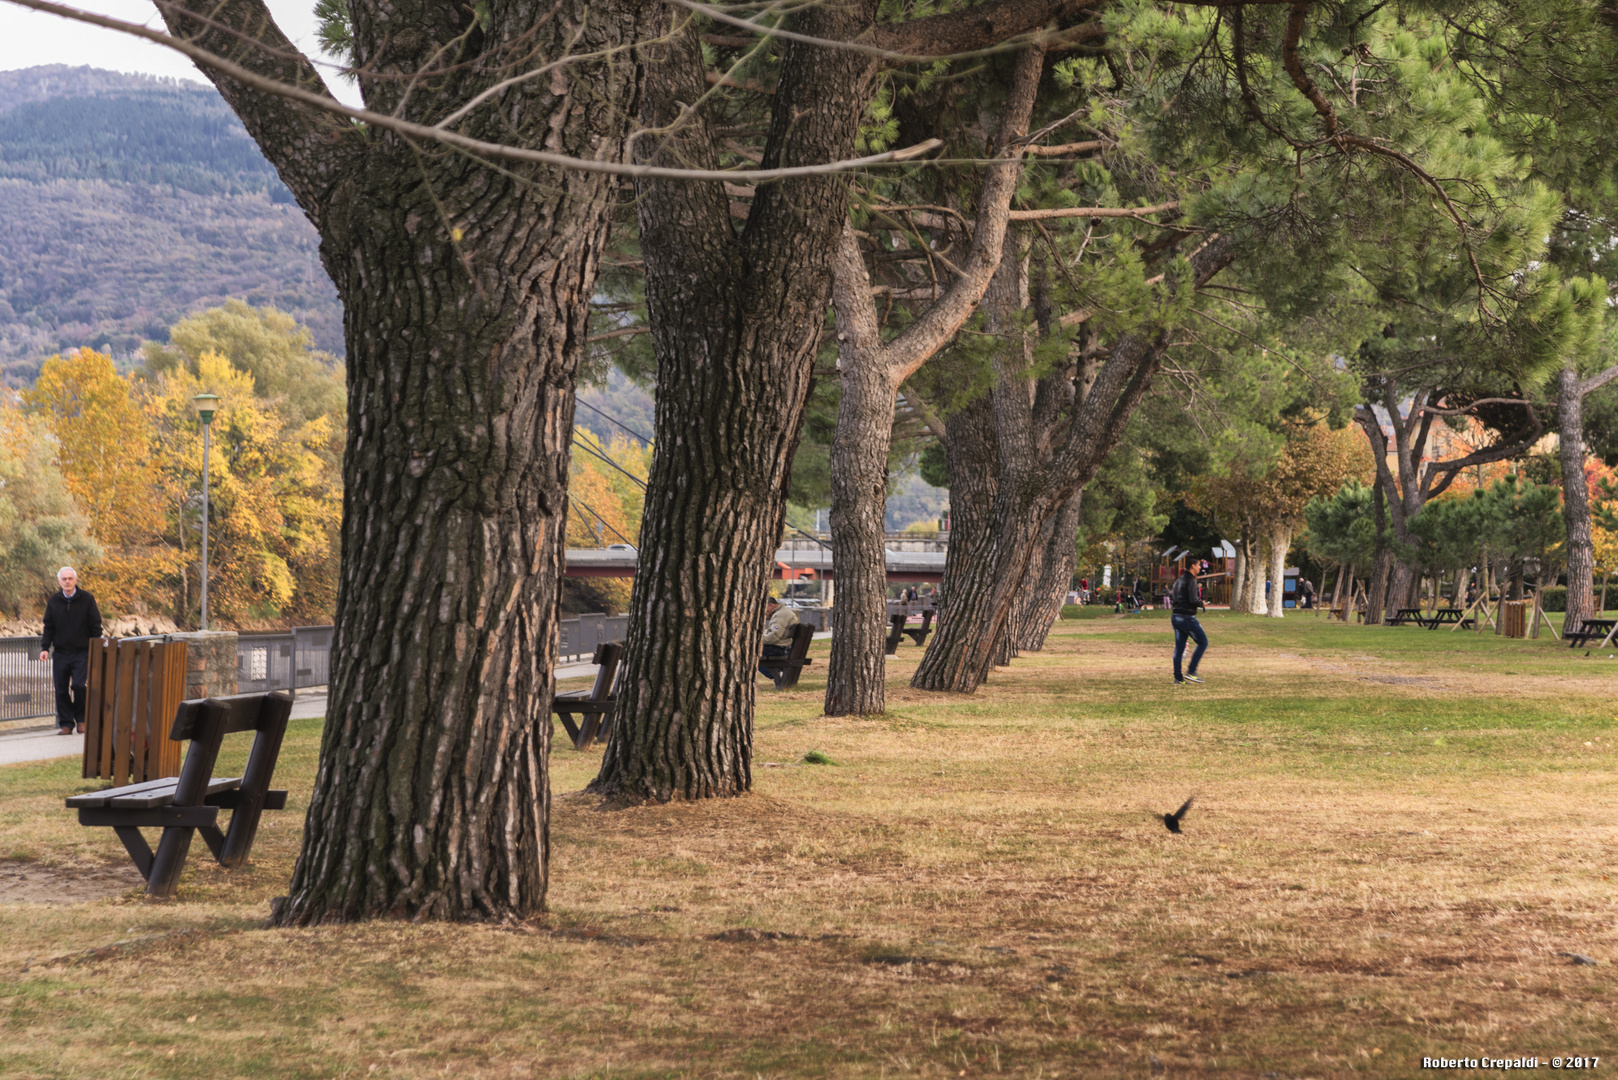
(328, 132)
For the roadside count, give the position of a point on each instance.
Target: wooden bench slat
(99, 798)
(146, 800)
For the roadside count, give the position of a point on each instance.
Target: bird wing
(1180, 813)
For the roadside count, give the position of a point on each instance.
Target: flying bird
(1172, 821)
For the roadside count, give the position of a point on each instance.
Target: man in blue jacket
(1186, 598)
(72, 621)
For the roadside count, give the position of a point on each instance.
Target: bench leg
(216, 839)
(170, 860)
(138, 848)
(572, 729)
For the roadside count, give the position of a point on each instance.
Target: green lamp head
(206, 404)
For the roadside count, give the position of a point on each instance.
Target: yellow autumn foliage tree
(273, 504)
(104, 443)
(606, 504)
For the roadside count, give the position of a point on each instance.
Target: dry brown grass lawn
(1400, 839)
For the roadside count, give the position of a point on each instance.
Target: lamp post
(206, 404)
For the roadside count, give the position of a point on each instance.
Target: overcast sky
(28, 39)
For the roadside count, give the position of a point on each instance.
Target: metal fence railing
(578, 637)
(290, 661)
(26, 688)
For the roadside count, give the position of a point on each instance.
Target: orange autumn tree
(104, 443)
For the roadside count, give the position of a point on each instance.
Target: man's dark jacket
(71, 625)
(1186, 596)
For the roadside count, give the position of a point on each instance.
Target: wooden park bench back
(792, 664)
(191, 803)
(594, 709)
(134, 686)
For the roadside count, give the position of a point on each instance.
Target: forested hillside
(127, 202)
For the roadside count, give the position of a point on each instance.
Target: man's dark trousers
(71, 667)
(773, 652)
(1187, 626)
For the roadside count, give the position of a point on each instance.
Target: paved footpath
(42, 743)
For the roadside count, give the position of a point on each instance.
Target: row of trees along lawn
(1492, 539)
(1179, 199)
(104, 471)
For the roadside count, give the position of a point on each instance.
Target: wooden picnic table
(1591, 630)
(1405, 616)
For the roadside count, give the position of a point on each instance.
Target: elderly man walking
(72, 621)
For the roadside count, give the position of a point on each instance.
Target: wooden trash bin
(1514, 618)
(135, 685)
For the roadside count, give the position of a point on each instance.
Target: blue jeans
(773, 652)
(1187, 626)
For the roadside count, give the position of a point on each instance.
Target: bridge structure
(792, 563)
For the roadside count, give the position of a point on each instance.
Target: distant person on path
(1186, 596)
(72, 621)
(778, 624)
(1306, 593)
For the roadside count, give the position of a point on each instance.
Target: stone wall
(210, 664)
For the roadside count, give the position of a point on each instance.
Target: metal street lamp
(206, 405)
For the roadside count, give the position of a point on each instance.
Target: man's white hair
(66, 570)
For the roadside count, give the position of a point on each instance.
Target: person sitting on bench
(778, 624)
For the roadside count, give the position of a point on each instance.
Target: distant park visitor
(1186, 598)
(778, 624)
(72, 621)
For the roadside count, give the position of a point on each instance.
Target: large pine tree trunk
(736, 321)
(1042, 603)
(465, 292)
(1575, 500)
(971, 456)
(859, 476)
(871, 375)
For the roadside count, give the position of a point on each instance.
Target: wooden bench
(1591, 630)
(897, 630)
(191, 802)
(595, 708)
(789, 667)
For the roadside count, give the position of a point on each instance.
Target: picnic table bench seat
(191, 802)
(897, 630)
(1590, 630)
(596, 707)
(789, 667)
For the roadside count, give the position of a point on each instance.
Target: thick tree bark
(465, 294)
(736, 321)
(1042, 603)
(871, 374)
(1570, 392)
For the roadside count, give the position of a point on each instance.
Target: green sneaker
(1193, 678)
